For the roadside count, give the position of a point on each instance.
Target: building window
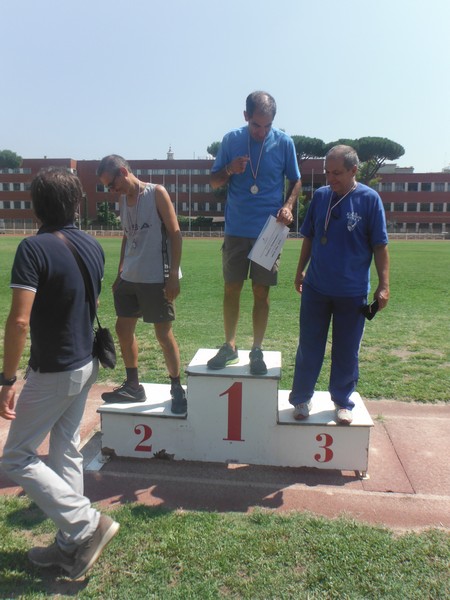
(413, 187)
(387, 206)
(6, 187)
(18, 205)
(426, 187)
(411, 207)
(27, 187)
(439, 186)
(424, 207)
(386, 187)
(438, 207)
(399, 187)
(27, 205)
(16, 187)
(398, 206)
(6, 204)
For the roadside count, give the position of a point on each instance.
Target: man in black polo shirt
(49, 299)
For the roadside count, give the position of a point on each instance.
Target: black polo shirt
(61, 325)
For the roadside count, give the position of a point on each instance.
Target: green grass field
(405, 353)
(185, 555)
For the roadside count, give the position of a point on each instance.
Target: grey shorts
(146, 300)
(237, 266)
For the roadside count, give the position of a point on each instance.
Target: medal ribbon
(330, 208)
(255, 173)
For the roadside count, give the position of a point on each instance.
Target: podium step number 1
(237, 417)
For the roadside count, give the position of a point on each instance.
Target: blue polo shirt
(341, 266)
(247, 213)
(61, 324)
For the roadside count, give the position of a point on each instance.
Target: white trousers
(53, 403)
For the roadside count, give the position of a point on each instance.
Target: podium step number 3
(234, 416)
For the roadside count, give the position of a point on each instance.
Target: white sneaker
(344, 416)
(301, 411)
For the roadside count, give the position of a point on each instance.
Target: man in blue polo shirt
(345, 226)
(254, 162)
(49, 298)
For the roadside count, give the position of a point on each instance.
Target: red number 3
(328, 454)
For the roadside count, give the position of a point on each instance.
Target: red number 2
(328, 454)
(146, 432)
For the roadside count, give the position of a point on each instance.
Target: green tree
(308, 147)
(106, 216)
(213, 149)
(302, 207)
(373, 153)
(9, 160)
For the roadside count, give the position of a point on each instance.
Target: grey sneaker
(257, 364)
(179, 402)
(90, 551)
(344, 416)
(125, 393)
(51, 556)
(301, 411)
(226, 356)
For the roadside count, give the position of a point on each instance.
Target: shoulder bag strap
(83, 270)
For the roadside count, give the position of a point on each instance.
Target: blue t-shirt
(341, 266)
(61, 317)
(247, 213)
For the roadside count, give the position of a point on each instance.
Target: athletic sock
(132, 377)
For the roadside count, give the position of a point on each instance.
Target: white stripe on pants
(53, 402)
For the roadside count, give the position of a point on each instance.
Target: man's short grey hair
(111, 164)
(348, 153)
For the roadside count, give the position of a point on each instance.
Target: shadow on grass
(19, 578)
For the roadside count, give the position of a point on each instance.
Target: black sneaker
(257, 364)
(226, 356)
(89, 552)
(179, 402)
(52, 556)
(125, 393)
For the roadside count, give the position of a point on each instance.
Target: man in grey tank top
(147, 282)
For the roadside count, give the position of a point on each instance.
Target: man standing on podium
(345, 226)
(253, 161)
(147, 281)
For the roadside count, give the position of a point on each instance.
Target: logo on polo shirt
(352, 220)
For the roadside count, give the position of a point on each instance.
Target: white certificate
(269, 243)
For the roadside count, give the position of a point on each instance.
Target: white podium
(234, 416)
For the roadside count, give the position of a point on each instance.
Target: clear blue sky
(92, 77)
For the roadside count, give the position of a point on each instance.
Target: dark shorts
(237, 266)
(146, 300)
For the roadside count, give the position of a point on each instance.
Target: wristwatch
(7, 382)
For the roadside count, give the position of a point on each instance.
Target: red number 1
(234, 412)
